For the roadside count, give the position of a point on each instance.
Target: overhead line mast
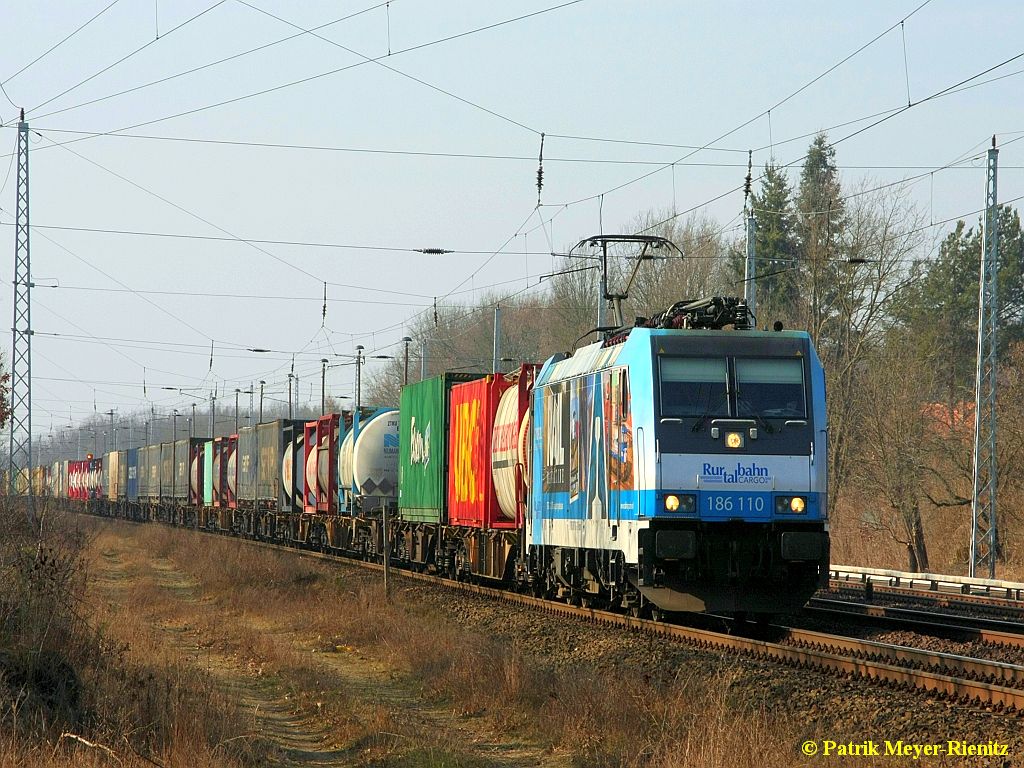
(984, 534)
(20, 454)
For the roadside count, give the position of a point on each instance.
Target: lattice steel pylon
(984, 536)
(20, 456)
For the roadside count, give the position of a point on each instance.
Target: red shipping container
(472, 501)
(77, 480)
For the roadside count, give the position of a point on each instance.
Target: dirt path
(179, 616)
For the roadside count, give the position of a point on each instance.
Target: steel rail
(933, 582)
(936, 661)
(947, 599)
(1008, 633)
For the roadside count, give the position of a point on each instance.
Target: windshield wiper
(698, 425)
(762, 422)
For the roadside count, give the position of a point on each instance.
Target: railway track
(970, 680)
(956, 627)
(951, 592)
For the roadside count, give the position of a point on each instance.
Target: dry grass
(62, 673)
(947, 533)
(597, 718)
(295, 626)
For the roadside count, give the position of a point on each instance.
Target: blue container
(132, 480)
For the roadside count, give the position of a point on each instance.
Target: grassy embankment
(72, 693)
(155, 643)
(275, 602)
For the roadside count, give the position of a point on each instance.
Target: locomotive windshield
(770, 387)
(709, 387)
(694, 386)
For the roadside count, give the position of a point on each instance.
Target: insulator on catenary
(540, 170)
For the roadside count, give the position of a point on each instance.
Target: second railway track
(951, 626)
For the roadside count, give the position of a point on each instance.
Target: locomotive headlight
(791, 504)
(684, 502)
(733, 440)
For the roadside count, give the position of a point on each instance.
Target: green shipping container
(208, 473)
(423, 448)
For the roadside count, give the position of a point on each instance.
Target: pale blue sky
(666, 72)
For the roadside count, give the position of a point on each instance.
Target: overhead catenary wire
(298, 243)
(481, 155)
(801, 158)
(278, 297)
(115, 280)
(202, 67)
(54, 47)
(740, 187)
(127, 56)
(478, 309)
(184, 210)
(541, 219)
(178, 344)
(759, 115)
(310, 78)
(377, 60)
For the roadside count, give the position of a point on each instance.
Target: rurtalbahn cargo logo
(747, 474)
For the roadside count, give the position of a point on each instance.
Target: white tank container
(372, 464)
(508, 449)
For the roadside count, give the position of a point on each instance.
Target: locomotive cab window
(772, 388)
(694, 387)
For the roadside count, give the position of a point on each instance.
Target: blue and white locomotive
(682, 466)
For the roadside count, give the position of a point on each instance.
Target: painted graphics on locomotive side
(587, 441)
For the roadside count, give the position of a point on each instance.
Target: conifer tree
(775, 246)
(819, 230)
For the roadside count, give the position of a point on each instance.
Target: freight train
(678, 465)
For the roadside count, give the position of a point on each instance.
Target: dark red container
(321, 464)
(196, 472)
(78, 472)
(225, 471)
(95, 471)
(510, 447)
(472, 501)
